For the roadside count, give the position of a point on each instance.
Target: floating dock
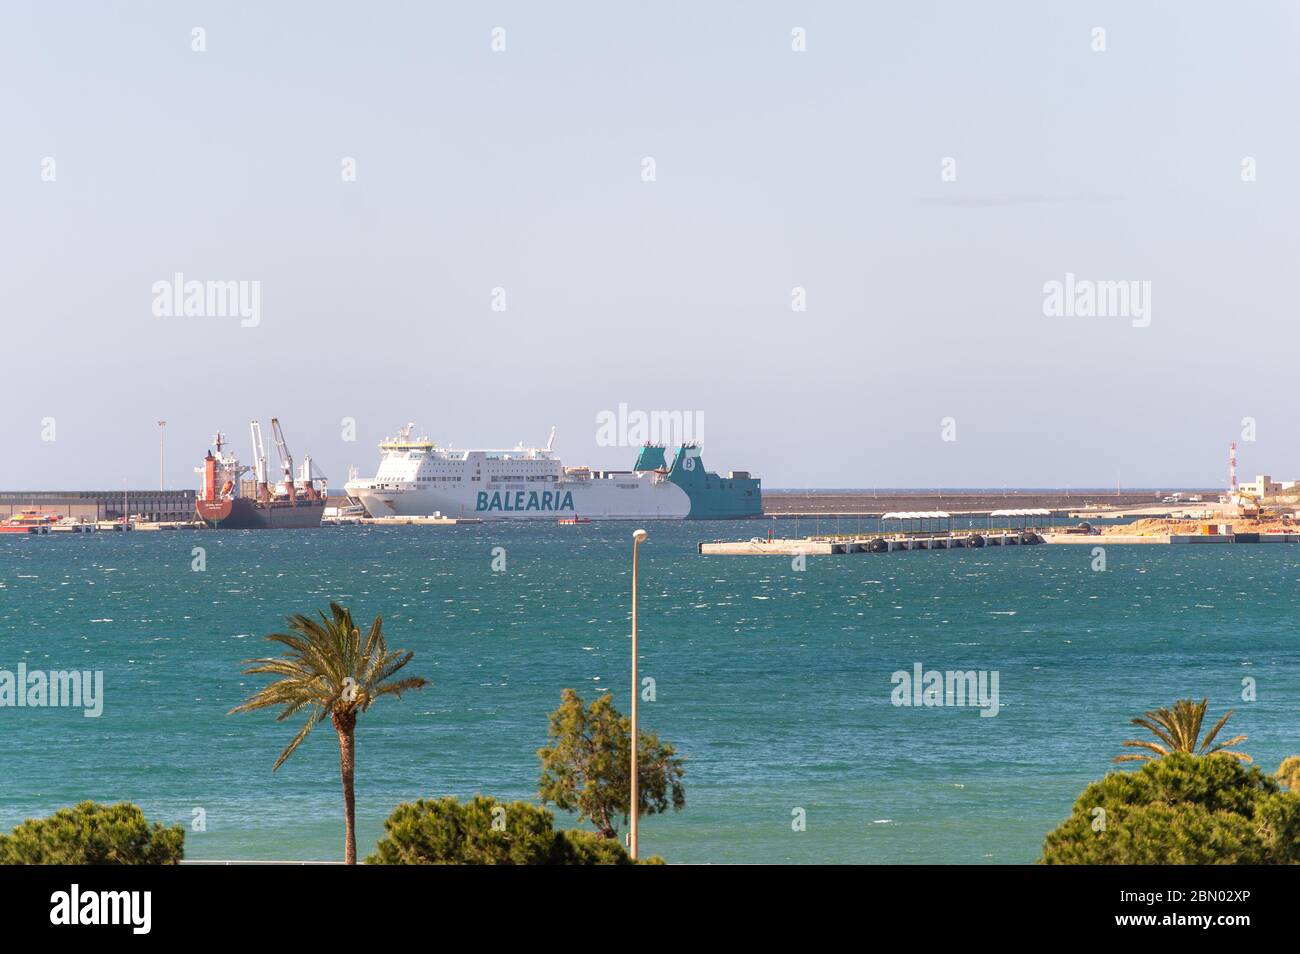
(825, 546)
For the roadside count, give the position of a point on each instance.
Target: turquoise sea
(774, 683)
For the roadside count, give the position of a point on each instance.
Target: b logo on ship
(521, 500)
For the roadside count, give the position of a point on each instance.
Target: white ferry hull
(632, 499)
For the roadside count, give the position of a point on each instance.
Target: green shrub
(1180, 809)
(93, 834)
(1288, 773)
(578, 847)
(484, 831)
(448, 832)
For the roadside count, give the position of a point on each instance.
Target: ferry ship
(417, 477)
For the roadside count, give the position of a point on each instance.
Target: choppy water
(775, 684)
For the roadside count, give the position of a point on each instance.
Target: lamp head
(639, 536)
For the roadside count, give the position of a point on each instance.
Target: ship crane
(259, 461)
(308, 476)
(286, 461)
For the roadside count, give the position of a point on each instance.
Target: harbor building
(96, 505)
(1262, 486)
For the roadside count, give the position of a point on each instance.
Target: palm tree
(329, 672)
(1180, 730)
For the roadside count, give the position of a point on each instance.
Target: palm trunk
(346, 729)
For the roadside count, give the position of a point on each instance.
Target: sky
(920, 171)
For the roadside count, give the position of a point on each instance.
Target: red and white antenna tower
(1232, 467)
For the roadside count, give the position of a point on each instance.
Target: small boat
(73, 525)
(28, 521)
(570, 521)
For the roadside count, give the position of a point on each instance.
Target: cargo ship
(417, 477)
(289, 504)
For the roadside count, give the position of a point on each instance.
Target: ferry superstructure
(416, 477)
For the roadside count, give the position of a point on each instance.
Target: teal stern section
(651, 458)
(712, 496)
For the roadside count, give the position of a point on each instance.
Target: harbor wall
(866, 502)
(101, 504)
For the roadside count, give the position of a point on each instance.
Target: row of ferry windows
(422, 482)
(501, 477)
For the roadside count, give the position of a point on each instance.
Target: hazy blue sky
(523, 169)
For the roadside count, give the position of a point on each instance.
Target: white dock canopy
(918, 520)
(1022, 516)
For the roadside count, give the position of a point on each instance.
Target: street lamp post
(638, 537)
(162, 455)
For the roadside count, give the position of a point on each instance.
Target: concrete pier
(968, 539)
(1195, 539)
